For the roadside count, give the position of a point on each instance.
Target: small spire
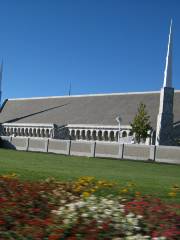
(168, 67)
(69, 88)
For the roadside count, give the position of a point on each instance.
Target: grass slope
(150, 177)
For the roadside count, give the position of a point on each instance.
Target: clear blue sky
(99, 45)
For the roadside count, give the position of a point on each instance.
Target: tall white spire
(168, 67)
(164, 129)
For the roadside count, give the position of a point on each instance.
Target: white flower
(66, 221)
(137, 228)
(96, 216)
(117, 226)
(93, 208)
(71, 206)
(107, 212)
(130, 215)
(110, 202)
(159, 238)
(100, 221)
(85, 215)
(80, 204)
(101, 210)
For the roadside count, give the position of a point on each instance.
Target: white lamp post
(118, 119)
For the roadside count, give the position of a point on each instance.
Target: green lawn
(150, 178)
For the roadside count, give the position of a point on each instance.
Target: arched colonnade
(28, 132)
(98, 134)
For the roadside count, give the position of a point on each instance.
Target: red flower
(2, 199)
(2, 222)
(53, 237)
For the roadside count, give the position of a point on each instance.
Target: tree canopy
(141, 123)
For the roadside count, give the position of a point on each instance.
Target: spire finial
(168, 67)
(69, 93)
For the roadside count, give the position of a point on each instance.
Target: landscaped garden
(48, 196)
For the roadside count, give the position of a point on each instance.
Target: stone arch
(72, 134)
(78, 134)
(88, 135)
(4, 131)
(11, 131)
(124, 134)
(42, 133)
(15, 132)
(8, 131)
(100, 135)
(19, 132)
(47, 132)
(22, 132)
(30, 132)
(117, 136)
(112, 136)
(26, 132)
(106, 135)
(83, 134)
(94, 136)
(34, 132)
(130, 134)
(38, 132)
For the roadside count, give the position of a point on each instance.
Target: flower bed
(84, 209)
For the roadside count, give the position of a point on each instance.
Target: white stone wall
(95, 149)
(28, 130)
(100, 133)
(72, 132)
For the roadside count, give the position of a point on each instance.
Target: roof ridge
(86, 95)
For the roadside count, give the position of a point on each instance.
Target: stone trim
(85, 95)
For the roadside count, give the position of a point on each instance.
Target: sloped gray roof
(97, 109)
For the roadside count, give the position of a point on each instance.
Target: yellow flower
(124, 190)
(100, 182)
(138, 194)
(175, 188)
(78, 189)
(92, 190)
(131, 184)
(86, 194)
(12, 175)
(172, 194)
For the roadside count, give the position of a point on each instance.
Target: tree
(141, 123)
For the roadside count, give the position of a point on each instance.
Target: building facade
(94, 117)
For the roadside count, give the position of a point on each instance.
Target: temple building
(94, 117)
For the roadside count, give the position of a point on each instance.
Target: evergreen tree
(141, 123)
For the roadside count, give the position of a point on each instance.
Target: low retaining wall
(38, 144)
(137, 152)
(111, 150)
(168, 154)
(82, 148)
(59, 146)
(20, 143)
(165, 154)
